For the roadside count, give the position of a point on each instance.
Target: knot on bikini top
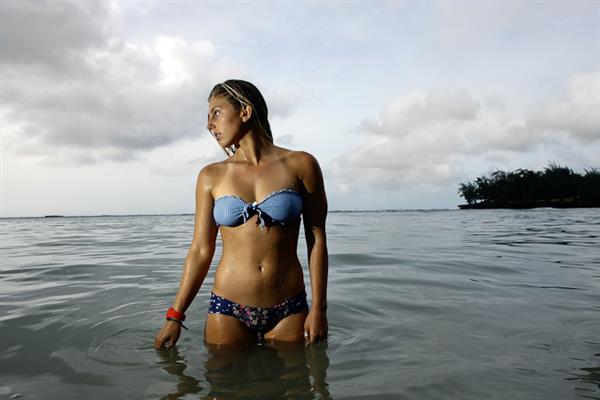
(252, 209)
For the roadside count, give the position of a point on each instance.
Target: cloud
(72, 91)
(282, 104)
(286, 140)
(425, 137)
(50, 33)
(576, 112)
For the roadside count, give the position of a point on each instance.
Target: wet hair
(240, 93)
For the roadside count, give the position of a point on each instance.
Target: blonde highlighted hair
(241, 93)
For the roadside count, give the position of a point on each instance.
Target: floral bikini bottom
(259, 319)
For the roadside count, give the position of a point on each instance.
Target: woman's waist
(253, 258)
(256, 248)
(260, 285)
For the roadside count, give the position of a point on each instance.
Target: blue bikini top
(279, 207)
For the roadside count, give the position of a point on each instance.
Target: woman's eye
(216, 113)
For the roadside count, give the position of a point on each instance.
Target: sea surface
(477, 304)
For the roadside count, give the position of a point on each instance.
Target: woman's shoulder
(298, 156)
(211, 172)
(303, 161)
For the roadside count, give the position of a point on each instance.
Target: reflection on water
(263, 371)
(175, 364)
(587, 375)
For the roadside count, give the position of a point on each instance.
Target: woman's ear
(246, 112)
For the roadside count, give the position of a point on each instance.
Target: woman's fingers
(171, 343)
(315, 331)
(311, 335)
(160, 340)
(168, 335)
(165, 337)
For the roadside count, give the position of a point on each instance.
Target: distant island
(555, 186)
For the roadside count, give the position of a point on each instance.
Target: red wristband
(174, 314)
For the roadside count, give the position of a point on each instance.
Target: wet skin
(258, 268)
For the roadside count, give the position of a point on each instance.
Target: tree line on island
(555, 186)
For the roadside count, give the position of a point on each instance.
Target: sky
(103, 103)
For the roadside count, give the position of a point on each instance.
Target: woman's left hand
(315, 326)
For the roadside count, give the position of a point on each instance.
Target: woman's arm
(314, 214)
(198, 259)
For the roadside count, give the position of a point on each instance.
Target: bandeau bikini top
(279, 207)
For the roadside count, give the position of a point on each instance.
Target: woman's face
(224, 121)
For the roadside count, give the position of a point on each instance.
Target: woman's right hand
(168, 335)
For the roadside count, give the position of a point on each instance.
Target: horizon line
(182, 214)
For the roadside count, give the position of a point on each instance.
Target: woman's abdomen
(259, 273)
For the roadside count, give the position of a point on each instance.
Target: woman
(256, 198)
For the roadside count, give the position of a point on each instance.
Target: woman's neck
(253, 147)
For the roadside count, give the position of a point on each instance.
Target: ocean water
(494, 304)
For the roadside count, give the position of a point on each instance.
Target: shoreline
(530, 204)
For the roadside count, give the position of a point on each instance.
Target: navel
(260, 268)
